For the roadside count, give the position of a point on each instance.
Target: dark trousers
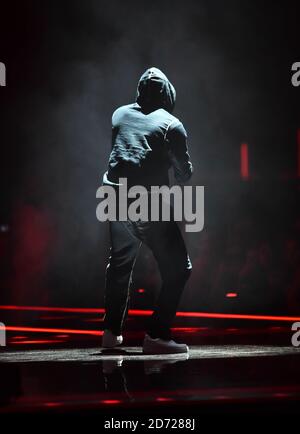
(168, 247)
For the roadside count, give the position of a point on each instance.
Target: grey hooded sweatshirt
(147, 139)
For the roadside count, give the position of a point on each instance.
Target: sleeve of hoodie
(178, 151)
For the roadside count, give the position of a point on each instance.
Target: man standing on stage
(147, 140)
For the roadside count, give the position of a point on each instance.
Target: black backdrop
(70, 64)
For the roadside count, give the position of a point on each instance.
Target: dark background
(70, 64)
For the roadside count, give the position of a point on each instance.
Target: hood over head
(155, 91)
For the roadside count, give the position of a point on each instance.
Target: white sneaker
(109, 340)
(160, 346)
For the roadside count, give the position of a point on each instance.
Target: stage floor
(135, 354)
(54, 363)
(89, 379)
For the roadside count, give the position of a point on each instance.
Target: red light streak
(110, 401)
(162, 399)
(53, 309)
(187, 329)
(237, 316)
(139, 312)
(244, 161)
(19, 337)
(51, 330)
(231, 295)
(37, 341)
